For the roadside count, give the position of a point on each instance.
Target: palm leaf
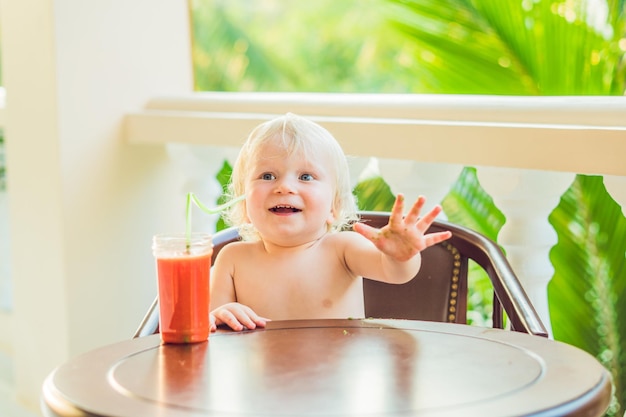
(443, 31)
(374, 194)
(506, 47)
(566, 48)
(223, 177)
(469, 205)
(586, 305)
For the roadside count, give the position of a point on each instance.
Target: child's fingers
(425, 221)
(261, 321)
(396, 215)
(247, 317)
(434, 238)
(256, 319)
(236, 316)
(212, 324)
(369, 232)
(228, 318)
(412, 216)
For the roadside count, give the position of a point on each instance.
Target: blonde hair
(296, 135)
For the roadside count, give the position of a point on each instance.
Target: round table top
(334, 368)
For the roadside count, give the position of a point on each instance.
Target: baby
(294, 261)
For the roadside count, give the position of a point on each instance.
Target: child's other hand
(236, 316)
(404, 237)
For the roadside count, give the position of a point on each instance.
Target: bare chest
(306, 285)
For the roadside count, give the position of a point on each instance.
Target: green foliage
(529, 47)
(567, 47)
(469, 205)
(261, 46)
(442, 32)
(374, 194)
(586, 302)
(223, 177)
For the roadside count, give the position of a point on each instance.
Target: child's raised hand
(404, 237)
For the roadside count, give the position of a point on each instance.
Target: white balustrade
(199, 166)
(361, 168)
(527, 198)
(413, 179)
(616, 187)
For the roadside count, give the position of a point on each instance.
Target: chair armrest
(506, 285)
(150, 323)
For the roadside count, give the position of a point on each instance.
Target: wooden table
(334, 367)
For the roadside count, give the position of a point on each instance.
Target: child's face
(289, 198)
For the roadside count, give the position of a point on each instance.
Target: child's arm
(399, 244)
(225, 308)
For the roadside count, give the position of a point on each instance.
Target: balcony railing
(527, 149)
(569, 134)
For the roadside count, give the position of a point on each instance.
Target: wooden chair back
(438, 292)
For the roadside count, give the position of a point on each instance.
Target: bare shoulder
(237, 249)
(346, 240)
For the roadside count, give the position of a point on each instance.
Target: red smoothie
(184, 298)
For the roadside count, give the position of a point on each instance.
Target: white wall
(83, 205)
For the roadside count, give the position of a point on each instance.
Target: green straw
(191, 197)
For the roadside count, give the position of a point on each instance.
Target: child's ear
(246, 218)
(332, 216)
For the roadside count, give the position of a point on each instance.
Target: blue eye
(306, 177)
(267, 176)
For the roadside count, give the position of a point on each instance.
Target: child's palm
(404, 236)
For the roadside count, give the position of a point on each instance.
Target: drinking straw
(191, 197)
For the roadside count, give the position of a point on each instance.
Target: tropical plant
(587, 306)
(261, 46)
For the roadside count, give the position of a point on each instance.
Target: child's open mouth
(285, 209)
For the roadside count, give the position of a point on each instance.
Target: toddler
(294, 261)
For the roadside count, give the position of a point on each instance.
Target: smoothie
(184, 298)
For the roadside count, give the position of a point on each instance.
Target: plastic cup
(183, 270)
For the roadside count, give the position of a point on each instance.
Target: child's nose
(285, 186)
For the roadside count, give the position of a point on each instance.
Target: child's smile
(284, 209)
